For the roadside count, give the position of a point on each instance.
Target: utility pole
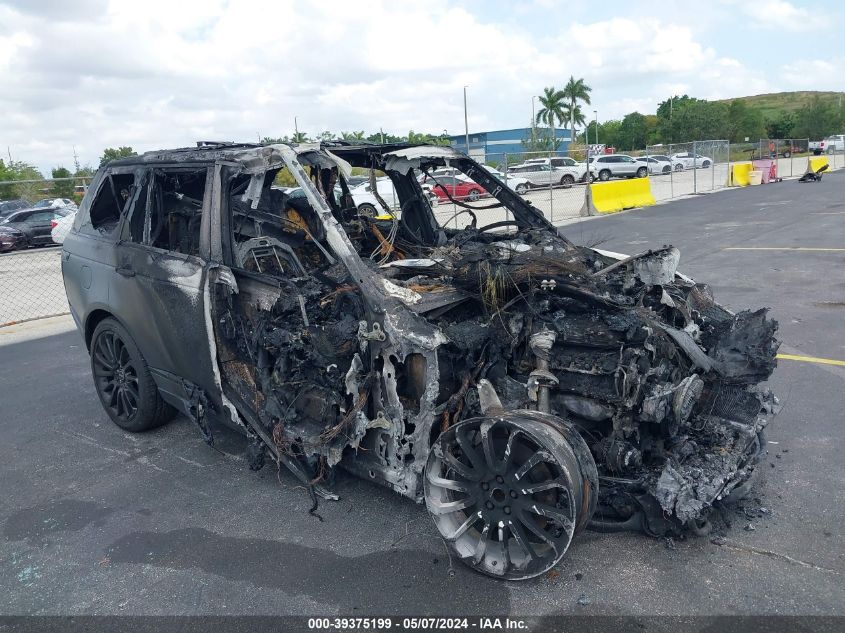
(466, 120)
(381, 131)
(296, 129)
(596, 115)
(75, 161)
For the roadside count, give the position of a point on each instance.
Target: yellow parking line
(780, 248)
(812, 359)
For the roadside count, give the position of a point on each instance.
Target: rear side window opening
(111, 200)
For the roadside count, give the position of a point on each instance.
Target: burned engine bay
(522, 386)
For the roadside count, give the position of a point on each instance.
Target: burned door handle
(126, 272)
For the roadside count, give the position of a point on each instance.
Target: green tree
(352, 136)
(817, 120)
(574, 91)
(62, 188)
(299, 137)
(744, 122)
(537, 139)
(782, 126)
(19, 171)
(270, 140)
(552, 103)
(110, 154)
(633, 131)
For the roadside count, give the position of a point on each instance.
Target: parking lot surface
(96, 520)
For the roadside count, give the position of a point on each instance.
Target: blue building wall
(501, 141)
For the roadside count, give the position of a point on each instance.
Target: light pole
(596, 115)
(466, 121)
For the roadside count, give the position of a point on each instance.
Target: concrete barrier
(740, 174)
(814, 163)
(615, 195)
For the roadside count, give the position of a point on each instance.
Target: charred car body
(522, 386)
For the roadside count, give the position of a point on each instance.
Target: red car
(458, 189)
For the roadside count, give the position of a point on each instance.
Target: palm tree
(352, 136)
(574, 115)
(552, 102)
(574, 91)
(300, 137)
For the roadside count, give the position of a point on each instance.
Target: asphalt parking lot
(94, 520)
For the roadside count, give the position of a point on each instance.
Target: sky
(91, 74)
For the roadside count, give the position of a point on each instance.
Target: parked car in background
(518, 183)
(561, 161)
(833, 143)
(657, 165)
(30, 227)
(7, 206)
(369, 205)
(617, 166)
(446, 186)
(60, 226)
(691, 161)
(543, 174)
(55, 203)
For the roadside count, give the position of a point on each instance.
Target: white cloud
(165, 73)
(782, 15)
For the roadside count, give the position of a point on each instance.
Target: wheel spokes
(551, 512)
(532, 488)
(538, 457)
(481, 546)
(449, 484)
(521, 539)
(462, 528)
(537, 531)
(447, 507)
(487, 443)
(468, 449)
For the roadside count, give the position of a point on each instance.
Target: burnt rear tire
(509, 493)
(123, 381)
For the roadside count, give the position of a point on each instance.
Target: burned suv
(468, 355)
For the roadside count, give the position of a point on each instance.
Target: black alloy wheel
(123, 381)
(510, 493)
(116, 376)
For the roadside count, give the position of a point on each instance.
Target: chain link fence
(554, 182)
(31, 285)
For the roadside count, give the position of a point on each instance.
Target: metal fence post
(551, 187)
(695, 166)
(505, 171)
(671, 174)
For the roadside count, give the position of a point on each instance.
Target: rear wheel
(367, 210)
(787, 154)
(667, 169)
(705, 164)
(521, 188)
(509, 493)
(568, 180)
(123, 381)
(474, 194)
(679, 167)
(642, 172)
(604, 175)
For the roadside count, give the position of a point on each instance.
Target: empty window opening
(176, 210)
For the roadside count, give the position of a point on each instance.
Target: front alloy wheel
(509, 493)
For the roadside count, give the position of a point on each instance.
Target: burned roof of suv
(212, 151)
